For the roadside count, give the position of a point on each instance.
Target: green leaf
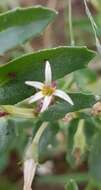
(21, 24)
(7, 134)
(13, 129)
(63, 60)
(95, 158)
(57, 111)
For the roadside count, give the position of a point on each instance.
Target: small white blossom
(47, 90)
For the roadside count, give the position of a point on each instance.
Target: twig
(94, 26)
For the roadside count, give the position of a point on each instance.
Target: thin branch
(94, 26)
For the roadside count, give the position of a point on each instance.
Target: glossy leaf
(63, 60)
(21, 24)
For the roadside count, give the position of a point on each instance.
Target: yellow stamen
(47, 90)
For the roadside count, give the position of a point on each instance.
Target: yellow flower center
(48, 90)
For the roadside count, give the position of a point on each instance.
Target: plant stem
(94, 26)
(70, 22)
(39, 132)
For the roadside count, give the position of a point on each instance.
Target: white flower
(29, 172)
(47, 90)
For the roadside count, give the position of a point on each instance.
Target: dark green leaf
(21, 24)
(7, 134)
(63, 60)
(57, 111)
(13, 133)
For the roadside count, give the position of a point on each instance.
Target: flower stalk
(94, 26)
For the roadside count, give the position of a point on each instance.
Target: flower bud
(27, 113)
(96, 109)
(30, 165)
(29, 172)
(31, 158)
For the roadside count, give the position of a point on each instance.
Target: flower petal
(36, 97)
(46, 102)
(48, 73)
(61, 94)
(35, 84)
(29, 173)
